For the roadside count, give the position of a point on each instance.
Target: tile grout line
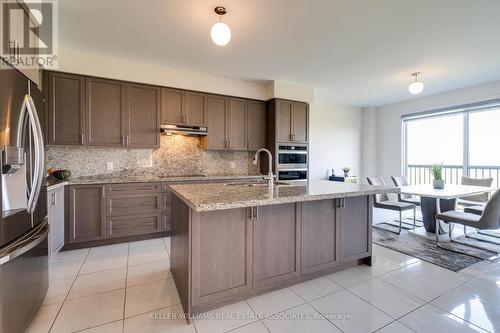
(66, 297)
(125, 293)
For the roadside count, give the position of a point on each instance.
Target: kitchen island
(234, 241)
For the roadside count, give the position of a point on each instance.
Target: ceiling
(356, 52)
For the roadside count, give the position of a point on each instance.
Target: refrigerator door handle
(25, 244)
(34, 126)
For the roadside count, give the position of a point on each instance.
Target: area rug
(425, 249)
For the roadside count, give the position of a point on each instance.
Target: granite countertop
(209, 197)
(53, 183)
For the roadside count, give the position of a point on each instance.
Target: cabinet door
(256, 125)
(275, 244)
(300, 122)
(319, 236)
(171, 106)
(86, 213)
(65, 102)
(59, 217)
(221, 254)
(283, 121)
(142, 120)
(216, 122)
(354, 215)
(55, 212)
(106, 112)
(194, 109)
(236, 124)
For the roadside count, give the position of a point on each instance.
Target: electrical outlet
(233, 165)
(109, 166)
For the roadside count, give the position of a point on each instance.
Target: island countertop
(209, 197)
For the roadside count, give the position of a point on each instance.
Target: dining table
(434, 201)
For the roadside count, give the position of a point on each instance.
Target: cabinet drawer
(133, 225)
(133, 204)
(139, 188)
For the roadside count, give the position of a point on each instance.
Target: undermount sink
(256, 184)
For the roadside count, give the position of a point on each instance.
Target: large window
(466, 142)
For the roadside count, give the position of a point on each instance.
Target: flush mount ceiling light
(220, 32)
(416, 87)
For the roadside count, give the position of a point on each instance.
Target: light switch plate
(109, 166)
(233, 165)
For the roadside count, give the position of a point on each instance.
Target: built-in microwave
(292, 156)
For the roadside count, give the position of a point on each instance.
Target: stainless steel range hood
(184, 130)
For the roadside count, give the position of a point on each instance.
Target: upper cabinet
(216, 123)
(98, 112)
(142, 120)
(182, 107)
(291, 121)
(106, 111)
(65, 106)
(236, 129)
(226, 123)
(256, 125)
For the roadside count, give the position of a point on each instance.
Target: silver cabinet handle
(53, 199)
(82, 138)
(149, 223)
(149, 203)
(119, 205)
(256, 213)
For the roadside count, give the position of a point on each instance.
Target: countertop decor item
(437, 174)
(346, 171)
(61, 174)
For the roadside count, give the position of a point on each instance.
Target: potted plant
(346, 171)
(437, 174)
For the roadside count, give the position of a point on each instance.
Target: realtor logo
(29, 33)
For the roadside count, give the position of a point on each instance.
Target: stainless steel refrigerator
(24, 226)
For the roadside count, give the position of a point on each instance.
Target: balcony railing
(421, 174)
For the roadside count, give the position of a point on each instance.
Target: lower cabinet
(275, 244)
(122, 226)
(86, 213)
(55, 210)
(221, 254)
(98, 212)
(354, 215)
(319, 241)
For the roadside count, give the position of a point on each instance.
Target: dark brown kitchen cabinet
(142, 118)
(166, 210)
(291, 121)
(86, 213)
(256, 125)
(194, 108)
(171, 106)
(354, 216)
(65, 102)
(276, 248)
(182, 107)
(221, 254)
(320, 233)
(133, 225)
(106, 112)
(300, 122)
(236, 120)
(216, 107)
(226, 122)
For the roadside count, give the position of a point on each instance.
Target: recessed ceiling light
(416, 87)
(220, 32)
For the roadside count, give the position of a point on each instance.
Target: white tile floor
(129, 288)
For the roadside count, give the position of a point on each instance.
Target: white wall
(335, 138)
(111, 67)
(388, 121)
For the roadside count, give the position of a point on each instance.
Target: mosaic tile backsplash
(177, 156)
